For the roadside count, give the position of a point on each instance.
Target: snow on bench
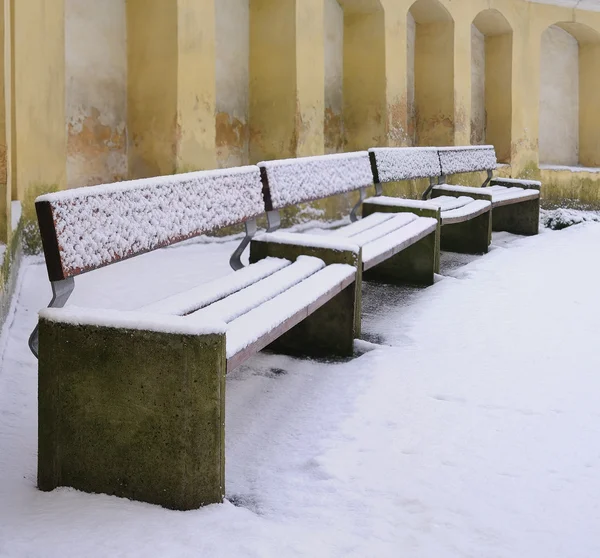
(397, 241)
(453, 209)
(199, 297)
(237, 304)
(474, 158)
(293, 181)
(394, 164)
(259, 327)
(535, 184)
(502, 195)
(466, 212)
(87, 228)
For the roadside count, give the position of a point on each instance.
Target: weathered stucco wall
(232, 81)
(96, 91)
(334, 77)
(559, 98)
(411, 36)
(478, 120)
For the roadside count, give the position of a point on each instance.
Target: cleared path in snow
(472, 430)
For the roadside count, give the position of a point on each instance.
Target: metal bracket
(61, 291)
(354, 212)
(429, 188)
(235, 261)
(490, 175)
(273, 220)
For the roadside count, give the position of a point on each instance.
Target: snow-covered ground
(467, 425)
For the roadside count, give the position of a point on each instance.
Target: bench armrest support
(61, 291)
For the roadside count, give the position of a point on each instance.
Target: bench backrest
(456, 160)
(393, 164)
(87, 228)
(291, 181)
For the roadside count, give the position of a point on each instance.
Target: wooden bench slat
(398, 221)
(362, 225)
(514, 195)
(189, 301)
(400, 239)
(450, 203)
(258, 328)
(466, 212)
(238, 304)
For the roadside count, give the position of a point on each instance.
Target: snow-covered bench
(465, 221)
(132, 403)
(515, 203)
(395, 248)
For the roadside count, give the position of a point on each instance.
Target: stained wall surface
(478, 117)
(334, 77)
(96, 91)
(100, 91)
(232, 81)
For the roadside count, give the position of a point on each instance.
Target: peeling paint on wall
(96, 91)
(232, 81)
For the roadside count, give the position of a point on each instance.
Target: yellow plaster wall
(38, 98)
(498, 94)
(589, 105)
(365, 107)
(273, 79)
(171, 86)
(5, 193)
(434, 84)
(172, 115)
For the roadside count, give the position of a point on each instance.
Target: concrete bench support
(135, 414)
(416, 264)
(331, 330)
(469, 237)
(517, 218)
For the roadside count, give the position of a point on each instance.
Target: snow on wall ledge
(293, 181)
(100, 225)
(455, 160)
(405, 163)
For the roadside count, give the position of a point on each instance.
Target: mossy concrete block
(517, 218)
(331, 330)
(135, 414)
(469, 237)
(415, 265)
(417, 253)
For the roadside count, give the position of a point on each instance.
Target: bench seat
(453, 209)
(497, 194)
(503, 195)
(381, 236)
(465, 221)
(515, 204)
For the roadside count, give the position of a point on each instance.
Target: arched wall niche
(430, 32)
(364, 74)
(491, 81)
(569, 85)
